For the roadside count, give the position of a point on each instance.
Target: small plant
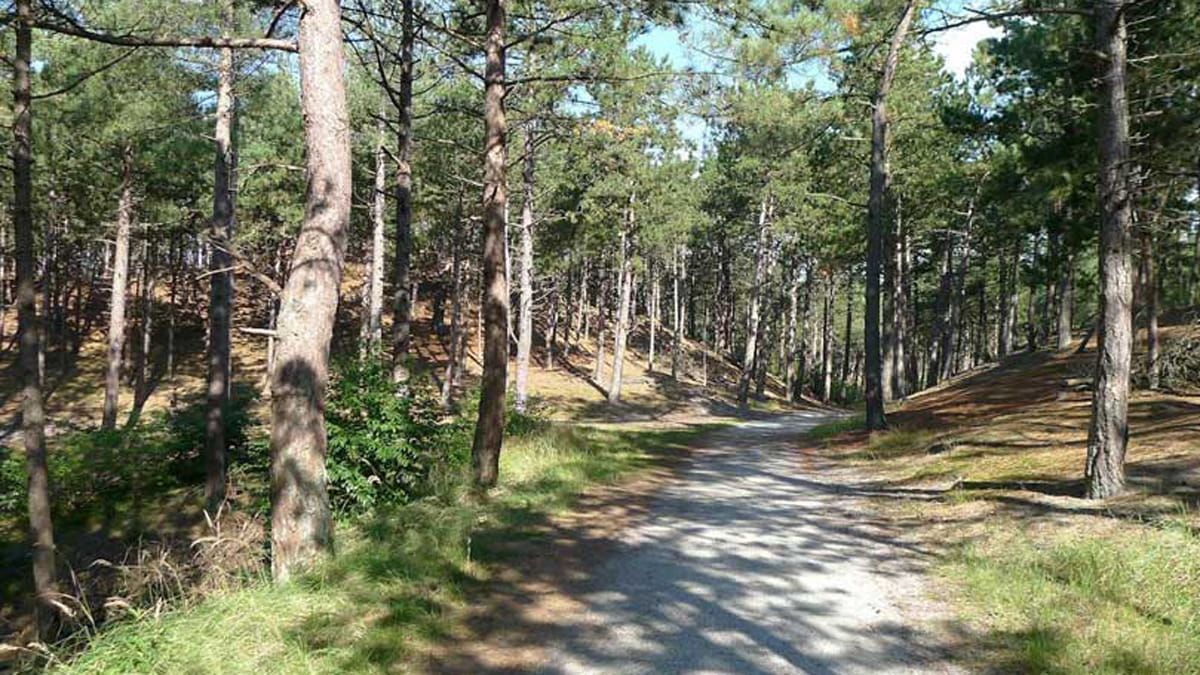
(383, 444)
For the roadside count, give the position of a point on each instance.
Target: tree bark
(450, 379)
(621, 331)
(489, 429)
(1009, 300)
(525, 317)
(846, 341)
(789, 363)
(33, 414)
(403, 301)
(827, 340)
(1108, 433)
(371, 335)
(120, 284)
(876, 221)
(601, 326)
(146, 292)
(655, 301)
(677, 333)
(301, 526)
(220, 305)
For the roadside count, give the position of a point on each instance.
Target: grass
(827, 431)
(397, 580)
(1085, 603)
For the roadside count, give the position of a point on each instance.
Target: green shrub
(383, 446)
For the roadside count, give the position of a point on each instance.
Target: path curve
(757, 559)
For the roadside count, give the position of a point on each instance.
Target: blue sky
(955, 46)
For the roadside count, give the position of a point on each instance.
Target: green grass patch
(832, 429)
(397, 578)
(1086, 603)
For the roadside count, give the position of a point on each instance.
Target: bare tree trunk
(525, 318)
(876, 221)
(1066, 300)
(175, 261)
(789, 362)
(655, 301)
(601, 325)
(552, 341)
(621, 332)
(301, 527)
(403, 300)
(891, 287)
(140, 389)
(1108, 433)
(489, 429)
(752, 316)
(33, 414)
(120, 283)
(456, 332)
(900, 307)
(846, 341)
(1009, 299)
(1150, 290)
(677, 335)
(807, 338)
(371, 335)
(827, 340)
(220, 305)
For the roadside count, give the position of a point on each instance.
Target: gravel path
(758, 560)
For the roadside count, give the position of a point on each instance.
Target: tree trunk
(655, 299)
(371, 335)
(220, 305)
(552, 341)
(1150, 290)
(876, 221)
(489, 429)
(120, 283)
(807, 337)
(525, 318)
(1009, 299)
(1108, 433)
(677, 333)
(827, 340)
(301, 527)
(1066, 300)
(456, 330)
(621, 332)
(146, 292)
(403, 301)
(900, 310)
(752, 315)
(33, 414)
(891, 287)
(789, 362)
(601, 325)
(846, 341)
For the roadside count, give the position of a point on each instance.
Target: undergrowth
(397, 578)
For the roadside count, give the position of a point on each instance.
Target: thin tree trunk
(846, 341)
(807, 338)
(655, 298)
(677, 333)
(827, 340)
(1108, 433)
(525, 318)
(456, 330)
(900, 309)
(120, 283)
(621, 332)
(876, 221)
(552, 342)
(752, 316)
(175, 262)
(489, 429)
(33, 414)
(371, 335)
(220, 306)
(1009, 299)
(140, 389)
(1150, 290)
(601, 325)
(890, 290)
(1066, 300)
(403, 300)
(789, 363)
(301, 526)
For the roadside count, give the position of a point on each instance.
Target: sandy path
(753, 560)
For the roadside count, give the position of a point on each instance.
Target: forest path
(757, 557)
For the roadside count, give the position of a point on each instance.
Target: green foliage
(383, 445)
(1117, 602)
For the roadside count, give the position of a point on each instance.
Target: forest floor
(987, 471)
(752, 557)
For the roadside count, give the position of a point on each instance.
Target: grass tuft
(1086, 603)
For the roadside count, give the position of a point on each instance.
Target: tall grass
(1086, 604)
(396, 580)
